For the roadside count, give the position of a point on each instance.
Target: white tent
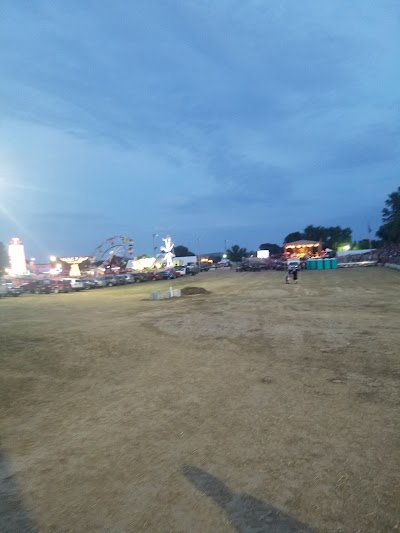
(354, 252)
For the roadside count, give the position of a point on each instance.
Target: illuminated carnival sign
(16, 254)
(167, 249)
(74, 263)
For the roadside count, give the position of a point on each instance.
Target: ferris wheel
(113, 249)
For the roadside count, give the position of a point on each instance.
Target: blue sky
(211, 120)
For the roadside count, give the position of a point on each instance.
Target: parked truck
(252, 264)
(293, 263)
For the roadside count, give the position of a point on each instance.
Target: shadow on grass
(246, 513)
(14, 516)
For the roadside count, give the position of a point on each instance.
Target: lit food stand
(303, 248)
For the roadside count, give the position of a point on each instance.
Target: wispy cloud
(70, 217)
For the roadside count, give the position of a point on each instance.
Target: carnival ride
(113, 252)
(168, 251)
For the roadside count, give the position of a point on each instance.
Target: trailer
(184, 261)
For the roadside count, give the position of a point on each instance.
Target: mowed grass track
(206, 412)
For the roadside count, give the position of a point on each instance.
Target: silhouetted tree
(295, 236)
(215, 257)
(314, 233)
(337, 236)
(274, 249)
(390, 229)
(4, 261)
(182, 251)
(236, 253)
(331, 237)
(364, 244)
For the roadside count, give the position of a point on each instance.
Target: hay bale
(190, 291)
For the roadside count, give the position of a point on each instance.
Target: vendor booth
(303, 248)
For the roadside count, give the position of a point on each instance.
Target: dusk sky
(209, 120)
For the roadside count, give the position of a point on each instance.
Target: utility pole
(369, 235)
(154, 244)
(225, 246)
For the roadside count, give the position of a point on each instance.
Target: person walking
(295, 275)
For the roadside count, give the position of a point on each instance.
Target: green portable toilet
(327, 264)
(320, 264)
(334, 262)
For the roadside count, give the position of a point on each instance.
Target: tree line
(331, 237)
(334, 237)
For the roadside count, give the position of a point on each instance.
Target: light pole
(225, 246)
(154, 244)
(369, 235)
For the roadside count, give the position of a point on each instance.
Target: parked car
(40, 286)
(91, 283)
(100, 282)
(169, 274)
(128, 278)
(8, 289)
(3, 289)
(154, 276)
(138, 277)
(27, 286)
(278, 265)
(121, 279)
(61, 285)
(180, 271)
(111, 281)
(248, 265)
(192, 269)
(36, 286)
(78, 284)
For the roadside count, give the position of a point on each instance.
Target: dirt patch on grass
(191, 291)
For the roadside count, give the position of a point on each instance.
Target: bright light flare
(16, 254)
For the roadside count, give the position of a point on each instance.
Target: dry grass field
(259, 406)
